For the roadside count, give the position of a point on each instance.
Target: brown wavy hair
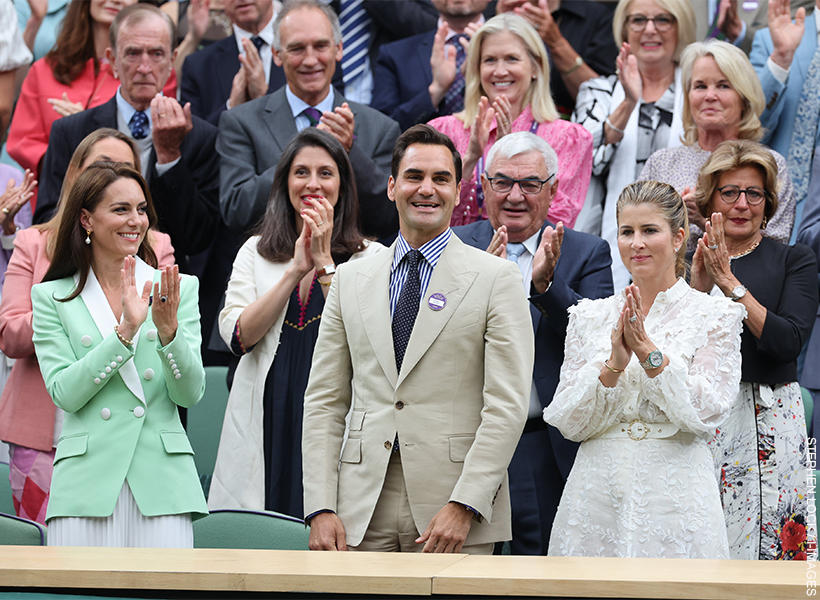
(75, 44)
(71, 253)
(277, 229)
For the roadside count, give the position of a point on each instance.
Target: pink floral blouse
(571, 142)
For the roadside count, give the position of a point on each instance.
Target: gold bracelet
(126, 343)
(323, 283)
(616, 371)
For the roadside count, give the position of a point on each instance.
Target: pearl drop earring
(88, 236)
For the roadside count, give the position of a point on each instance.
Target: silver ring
(713, 247)
(633, 318)
(536, 26)
(615, 327)
(163, 298)
(320, 223)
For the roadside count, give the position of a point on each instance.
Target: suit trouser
(391, 527)
(536, 485)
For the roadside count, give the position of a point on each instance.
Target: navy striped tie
(407, 307)
(355, 24)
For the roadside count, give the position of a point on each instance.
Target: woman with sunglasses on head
(761, 450)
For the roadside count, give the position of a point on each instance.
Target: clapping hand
(546, 257)
(134, 304)
(13, 199)
(166, 304)
(498, 245)
(628, 73)
(786, 36)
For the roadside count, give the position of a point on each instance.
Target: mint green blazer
(121, 422)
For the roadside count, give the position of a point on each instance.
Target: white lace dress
(653, 497)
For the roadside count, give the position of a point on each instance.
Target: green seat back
(205, 423)
(808, 406)
(6, 500)
(16, 531)
(259, 530)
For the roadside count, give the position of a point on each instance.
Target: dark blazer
(186, 197)
(809, 234)
(583, 271)
(251, 140)
(207, 77)
(402, 75)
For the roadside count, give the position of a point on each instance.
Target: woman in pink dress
(507, 89)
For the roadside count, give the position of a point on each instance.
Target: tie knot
(258, 42)
(514, 250)
(456, 40)
(139, 125)
(413, 258)
(313, 115)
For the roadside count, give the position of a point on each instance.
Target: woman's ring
(536, 26)
(713, 247)
(5, 211)
(320, 223)
(163, 298)
(615, 327)
(617, 71)
(633, 318)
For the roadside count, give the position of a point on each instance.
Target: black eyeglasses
(502, 185)
(731, 193)
(637, 23)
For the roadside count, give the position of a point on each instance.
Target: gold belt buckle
(640, 432)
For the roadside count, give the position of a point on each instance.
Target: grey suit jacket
(252, 137)
(458, 404)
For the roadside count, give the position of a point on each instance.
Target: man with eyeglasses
(559, 266)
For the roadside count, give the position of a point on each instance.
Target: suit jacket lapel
(450, 279)
(279, 119)
(97, 305)
(375, 310)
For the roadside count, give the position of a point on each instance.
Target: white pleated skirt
(126, 527)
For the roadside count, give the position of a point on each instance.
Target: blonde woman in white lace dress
(649, 375)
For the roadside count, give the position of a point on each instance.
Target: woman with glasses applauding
(761, 451)
(635, 112)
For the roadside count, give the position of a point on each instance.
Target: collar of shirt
(297, 105)
(431, 251)
(266, 34)
(450, 33)
(127, 111)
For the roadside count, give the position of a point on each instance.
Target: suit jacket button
(119, 359)
(97, 380)
(102, 375)
(113, 365)
(170, 355)
(105, 414)
(86, 340)
(139, 411)
(399, 404)
(177, 376)
(148, 374)
(151, 335)
(388, 445)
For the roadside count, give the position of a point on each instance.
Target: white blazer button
(176, 371)
(108, 369)
(177, 376)
(86, 340)
(113, 365)
(119, 359)
(170, 355)
(149, 374)
(102, 375)
(97, 380)
(172, 362)
(105, 414)
(151, 335)
(139, 411)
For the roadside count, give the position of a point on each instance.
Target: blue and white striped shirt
(431, 252)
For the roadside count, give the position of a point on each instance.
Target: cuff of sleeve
(778, 72)
(7, 241)
(163, 169)
(318, 512)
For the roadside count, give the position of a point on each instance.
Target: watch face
(655, 359)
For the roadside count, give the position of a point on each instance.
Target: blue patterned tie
(139, 125)
(454, 98)
(258, 42)
(313, 115)
(407, 307)
(804, 136)
(355, 24)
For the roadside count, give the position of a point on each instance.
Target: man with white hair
(560, 266)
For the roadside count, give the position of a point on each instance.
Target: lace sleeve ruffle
(582, 406)
(697, 392)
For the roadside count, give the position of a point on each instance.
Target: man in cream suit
(439, 405)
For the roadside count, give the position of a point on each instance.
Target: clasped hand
(629, 335)
(312, 249)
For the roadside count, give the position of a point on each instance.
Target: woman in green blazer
(118, 346)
